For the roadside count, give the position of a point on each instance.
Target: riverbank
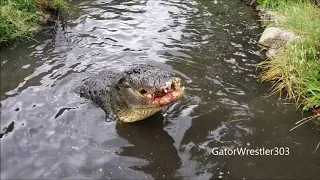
(22, 18)
(294, 69)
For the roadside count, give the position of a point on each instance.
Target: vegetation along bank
(292, 41)
(22, 18)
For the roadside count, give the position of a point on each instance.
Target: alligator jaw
(169, 93)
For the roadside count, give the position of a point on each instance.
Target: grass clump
(296, 69)
(18, 18)
(56, 4)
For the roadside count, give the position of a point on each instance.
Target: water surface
(49, 132)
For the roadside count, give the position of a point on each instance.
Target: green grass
(296, 70)
(18, 18)
(62, 4)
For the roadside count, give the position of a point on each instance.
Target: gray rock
(271, 53)
(274, 38)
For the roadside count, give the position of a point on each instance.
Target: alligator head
(145, 90)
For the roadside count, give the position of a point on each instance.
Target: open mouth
(167, 94)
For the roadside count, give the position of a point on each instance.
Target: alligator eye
(142, 91)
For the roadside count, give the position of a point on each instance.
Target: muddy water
(49, 132)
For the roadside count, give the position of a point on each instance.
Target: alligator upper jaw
(167, 94)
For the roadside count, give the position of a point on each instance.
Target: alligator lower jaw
(168, 98)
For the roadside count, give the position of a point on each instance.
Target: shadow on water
(49, 132)
(149, 141)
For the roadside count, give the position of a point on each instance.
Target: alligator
(134, 94)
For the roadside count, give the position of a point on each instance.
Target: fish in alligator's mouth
(134, 94)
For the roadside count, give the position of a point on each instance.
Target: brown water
(50, 132)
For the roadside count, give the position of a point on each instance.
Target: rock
(274, 38)
(258, 8)
(252, 2)
(271, 53)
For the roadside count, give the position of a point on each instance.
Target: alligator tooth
(165, 90)
(182, 87)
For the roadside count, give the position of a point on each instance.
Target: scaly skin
(121, 96)
(97, 88)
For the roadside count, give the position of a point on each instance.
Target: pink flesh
(168, 98)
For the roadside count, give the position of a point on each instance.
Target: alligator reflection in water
(149, 141)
